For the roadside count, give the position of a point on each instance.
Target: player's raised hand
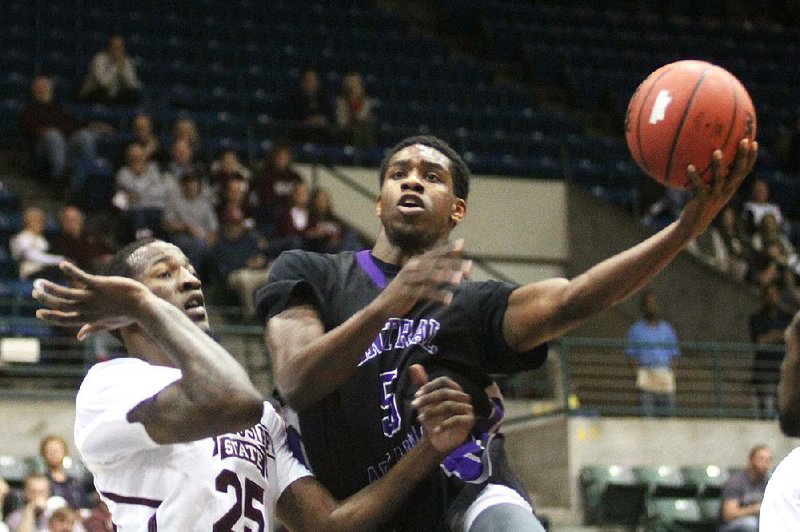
(709, 199)
(93, 302)
(443, 410)
(431, 276)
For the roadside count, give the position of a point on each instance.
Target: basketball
(683, 112)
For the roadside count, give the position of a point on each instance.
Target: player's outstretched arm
(310, 363)
(789, 386)
(541, 311)
(446, 416)
(214, 395)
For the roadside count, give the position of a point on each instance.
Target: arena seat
(664, 481)
(612, 495)
(708, 479)
(670, 513)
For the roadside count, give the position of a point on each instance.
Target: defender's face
(417, 205)
(166, 271)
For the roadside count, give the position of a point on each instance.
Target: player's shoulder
(297, 260)
(111, 377)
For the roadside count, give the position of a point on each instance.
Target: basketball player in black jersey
(343, 329)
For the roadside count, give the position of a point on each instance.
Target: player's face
(168, 274)
(417, 206)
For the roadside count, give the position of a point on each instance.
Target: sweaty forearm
(617, 277)
(209, 371)
(310, 363)
(371, 507)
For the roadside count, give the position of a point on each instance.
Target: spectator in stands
(143, 135)
(86, 248)
(780, 508)
(743, 491)
(310, 108)
(186, 129)
(4, 491)
(240, 256)
(769, 232)
(141, 191)
(33, 515)
(236, 194)
(652, 346)
(59, 142)
(723, 246)
(766, 328)
(293, 220)
(190, 221)
(63, 520)
(354, 116)
(325, 233)
(274, 186)
(53, 450)
(30, 248)
(181, 162)
(228, 166)
(112, 76)
(758, 206)
(100, 518)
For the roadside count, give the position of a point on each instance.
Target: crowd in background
(231, 220)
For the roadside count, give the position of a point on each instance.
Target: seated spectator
(310, 108)
(758, 206)
(190, 221)
(240, 257)
(53, 450)
(293, 220)
(235, 194)
(768, 231)
(743, 491)
(112, 76)
(140, 195)
(99, 519)
(354, 116)
(39, 504)
(186, 129)
(274, 186)
(766, 329)
(325, 233)
(227, 166)
(181, 162)
(62, 146)
(4, 491)
(143, 135)
(30, 248)
(63, 520)
(723, 245)
(87, 249)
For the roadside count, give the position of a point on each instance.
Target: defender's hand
(93, 302)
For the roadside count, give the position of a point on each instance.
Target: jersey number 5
(243, 505)
(391, 421)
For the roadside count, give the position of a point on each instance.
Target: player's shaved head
(458, 168)
(124, 263)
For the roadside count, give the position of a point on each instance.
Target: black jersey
(355, 434)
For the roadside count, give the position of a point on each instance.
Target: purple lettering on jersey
(366, 263)
(406, 444)
(404, 331)
(400, 333)
(253, 445)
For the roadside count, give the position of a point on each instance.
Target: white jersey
(228, 482)
(780, 508)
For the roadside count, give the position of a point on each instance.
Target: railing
(713, 379)
(583, 376)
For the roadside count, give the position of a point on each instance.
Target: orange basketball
(683, 112)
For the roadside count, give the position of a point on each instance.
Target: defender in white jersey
(780, 508)
(176, 435)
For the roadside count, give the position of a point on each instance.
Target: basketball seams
(687, 108)
(643, 99)
(733, 85)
